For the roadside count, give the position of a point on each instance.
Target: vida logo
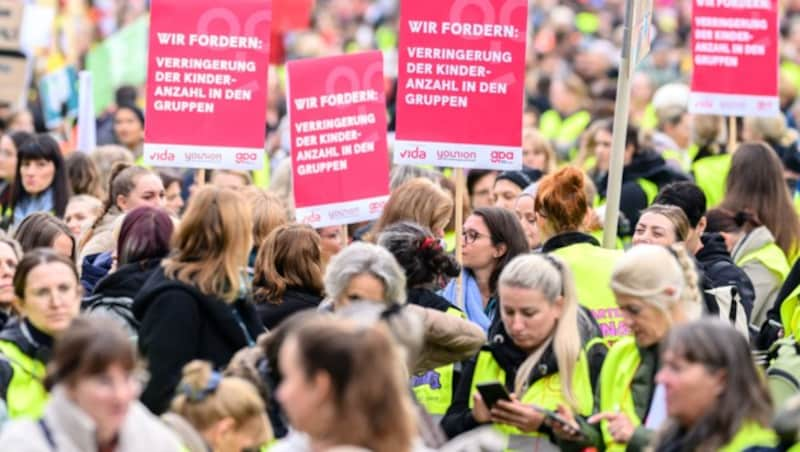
(164, 156)
(414, 154)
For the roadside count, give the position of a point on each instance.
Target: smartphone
(555, 418)
(492, 392)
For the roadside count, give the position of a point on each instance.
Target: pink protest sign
(207, 83)
(735, 55)
(460, 83)
(340, 163)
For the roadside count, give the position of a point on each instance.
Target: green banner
(119, 60)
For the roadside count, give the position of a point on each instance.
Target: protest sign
(287, 15)
(11, 12)
(460, 83)
(59, 95)
(14, 79)
(337, 115)
(207, 84)
(735, 55)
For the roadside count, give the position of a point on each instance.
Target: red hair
(561, 199)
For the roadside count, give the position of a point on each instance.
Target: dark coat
(719, 270)
(294, 300)
(94, 268)
(127, 281)
(178, 324)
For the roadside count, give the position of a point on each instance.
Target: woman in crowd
(492, 237)
(82, 211)
(755, 182)
(331, 242)
(43, 230)
(200, 288)
(656, 288)
(215, 413)
(479, 187)
(8, 166)
(129, 187)
(173, 196)
(507, 187)
(40, 181)
(93, 404)
(595, 150)
(288, 276)
(537, 152)
(48, 298)
(418, 200)
(661, 225)
(268, 213)
(82, 175)
(715, 397)
(561, 209)
(144, 240)
(426, 265)
(326, 394)
(365, 272)
(10, 254)
(753, 248)
(129, 129)
(537, 354)
(527, 218)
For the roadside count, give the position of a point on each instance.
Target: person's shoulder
(143, 427)
(23, 436)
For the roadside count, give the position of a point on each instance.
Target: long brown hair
(755, 182)
(372, 409)
(212, 242)
(418, 200)
(290, 256)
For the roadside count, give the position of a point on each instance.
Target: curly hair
(419, 254)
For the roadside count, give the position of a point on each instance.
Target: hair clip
(430, 243)
(195, 395)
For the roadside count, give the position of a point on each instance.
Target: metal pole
(620, 127)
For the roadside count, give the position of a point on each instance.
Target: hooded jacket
(766, 284)
(94, 268)
(30, 342)
(72, 430)
(720, 271)
(647, 165)
(178, 324)
(294, 300)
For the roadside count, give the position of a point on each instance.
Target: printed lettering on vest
(430, 378)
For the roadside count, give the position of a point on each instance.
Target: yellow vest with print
(616, 377)
(592, 265)
(545, 393)
(434, 389)
(26, 396)
(751, 435)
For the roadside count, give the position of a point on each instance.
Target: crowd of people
(163, 309)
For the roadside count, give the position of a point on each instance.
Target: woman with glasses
(93, 404)
(492, 237)
(561, 209)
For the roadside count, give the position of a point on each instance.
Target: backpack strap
(48, 434)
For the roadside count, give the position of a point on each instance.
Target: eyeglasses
(471, 235)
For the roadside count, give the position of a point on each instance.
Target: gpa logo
(163, 156)
(764, 105)
(245, 157)
(501, 157)
(414, 154)
(376, 206)
(313, 217)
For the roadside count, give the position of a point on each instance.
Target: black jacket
(720, 270)
(428, 299)
(295, 299)
(127, 281)
(180, 324)
(458, 418)
(648, 165)
(30, 341)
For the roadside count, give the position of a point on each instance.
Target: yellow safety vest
(616, 376)
(598, 235)
(710, 174)
(434, 389)
(649, 188)
(592, 266)
(563, 130)
(751, 435)
(770, 256)
(26, 396)
(545, 392)
(790, 315)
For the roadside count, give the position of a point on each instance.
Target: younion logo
(460, 156)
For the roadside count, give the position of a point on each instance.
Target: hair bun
(196, 374)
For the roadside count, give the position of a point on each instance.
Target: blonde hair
(771, 128)
(675, 215)
(205, 398)
(268, 213)
(650, 272)
(552, 277)
(94, 204)
(418, 200)
(531, 136)
(212, 243)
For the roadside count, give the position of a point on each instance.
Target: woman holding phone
(543, 354)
